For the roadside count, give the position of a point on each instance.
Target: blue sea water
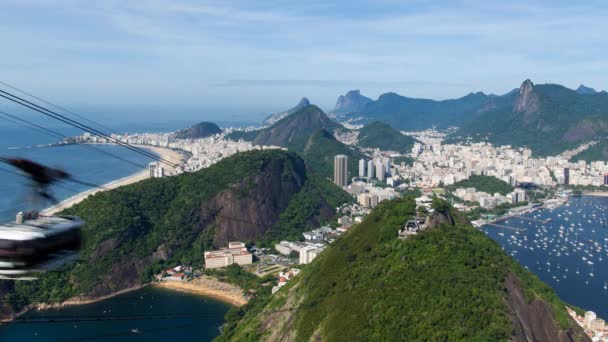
(98, 168)
(82, 163)
(570, 252)
(153, 315)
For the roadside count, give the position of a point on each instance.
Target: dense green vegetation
(498, 210)
(383, 136)
(557, 119)
(303, 210)
(129, 225)
(596, 152)
(409, 161)
(443, 284)
(487, 184)
(319, 152)
(243, 135)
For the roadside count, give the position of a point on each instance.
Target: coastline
(596, 193)
(204, 286)
(165, 153)
(70, 302)
(207, 287)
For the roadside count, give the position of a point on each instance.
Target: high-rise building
(380, 171)
(370, 169)
(362, 165)
(387, 166)
(341, 170)
(606, 179)
(153, 167)
(566, 176)
(156, 171)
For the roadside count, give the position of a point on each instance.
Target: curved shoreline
(165, 153)
(207, 287)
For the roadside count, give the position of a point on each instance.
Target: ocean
(570, 252)
(84, 164)
(148, 314)
(98, 168)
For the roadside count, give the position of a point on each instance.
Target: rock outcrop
(535, 321)
(351, 102)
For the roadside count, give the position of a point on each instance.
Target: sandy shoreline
(165, 153)
(208, 287)
(596, 193)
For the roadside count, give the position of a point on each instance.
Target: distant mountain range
(198, 131)
(547, 118)
(271, 119)
(406, 113)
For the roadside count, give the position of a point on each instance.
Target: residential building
(236, 253)
(341, 170)
(308, 254)
(362, 165)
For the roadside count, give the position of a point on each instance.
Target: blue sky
(260, 56)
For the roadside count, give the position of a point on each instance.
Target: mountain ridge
(273, 118)
(548, 118)
(136, 231)
(393, 289)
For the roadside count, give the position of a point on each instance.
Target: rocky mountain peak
(352, 101)
(303, 103)
(527, 100)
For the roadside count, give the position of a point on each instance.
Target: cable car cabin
(38, 245)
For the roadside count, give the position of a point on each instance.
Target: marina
(565, 246)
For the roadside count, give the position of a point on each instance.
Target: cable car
(37, 245)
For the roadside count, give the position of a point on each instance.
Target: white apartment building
(236, 253)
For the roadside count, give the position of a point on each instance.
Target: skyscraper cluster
(377, 168)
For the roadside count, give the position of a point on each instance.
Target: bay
(147, 314)
(566, 248)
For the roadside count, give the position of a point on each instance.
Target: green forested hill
(487, 184)
(200, 130)
(548, 118)
(384, 137)
(320, 150)
(450, 283)
(134, 231)
(596, 152)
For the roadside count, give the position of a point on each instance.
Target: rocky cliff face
(351, 102)
(131, 229)
(535, 321)
(527, 100)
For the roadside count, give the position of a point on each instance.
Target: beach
(209, 287)
(596, 193)
(165, 153)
